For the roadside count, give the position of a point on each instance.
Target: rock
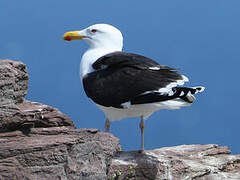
(17, 113)
(13, 81)
(56, 153)
(202, 162)
(25, 115)
(39, 142)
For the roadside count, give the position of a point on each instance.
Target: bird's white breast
(90, 56)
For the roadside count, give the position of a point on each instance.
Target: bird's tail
(187, 93)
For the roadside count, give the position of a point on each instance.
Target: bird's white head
(98, 36)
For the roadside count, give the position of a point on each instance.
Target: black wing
(121, 77)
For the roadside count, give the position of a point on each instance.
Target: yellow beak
(73, 35)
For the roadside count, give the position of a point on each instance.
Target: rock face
(39, 142)
(56, 153)
(17, 113)
(13, 82)
(202, 162)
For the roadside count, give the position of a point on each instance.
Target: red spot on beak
(67, 38)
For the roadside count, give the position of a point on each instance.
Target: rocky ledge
(39, 142)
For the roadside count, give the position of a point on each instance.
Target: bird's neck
(90, 56)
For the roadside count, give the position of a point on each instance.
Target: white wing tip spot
(154, 68)
(199, 89)
(202, 89)
(182, 93)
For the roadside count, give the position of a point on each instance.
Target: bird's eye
(93, 30)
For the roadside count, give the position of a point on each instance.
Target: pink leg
(141, 125)
(107, 125)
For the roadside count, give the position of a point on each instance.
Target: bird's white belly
(138, 110)
(118, 114)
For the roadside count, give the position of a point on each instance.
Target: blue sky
(200, 38)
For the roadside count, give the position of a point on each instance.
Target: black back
(121, 77)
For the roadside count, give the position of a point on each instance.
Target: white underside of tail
(144, 110)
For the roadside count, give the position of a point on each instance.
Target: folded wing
(123, 77)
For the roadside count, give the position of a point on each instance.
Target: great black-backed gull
(124, 84)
